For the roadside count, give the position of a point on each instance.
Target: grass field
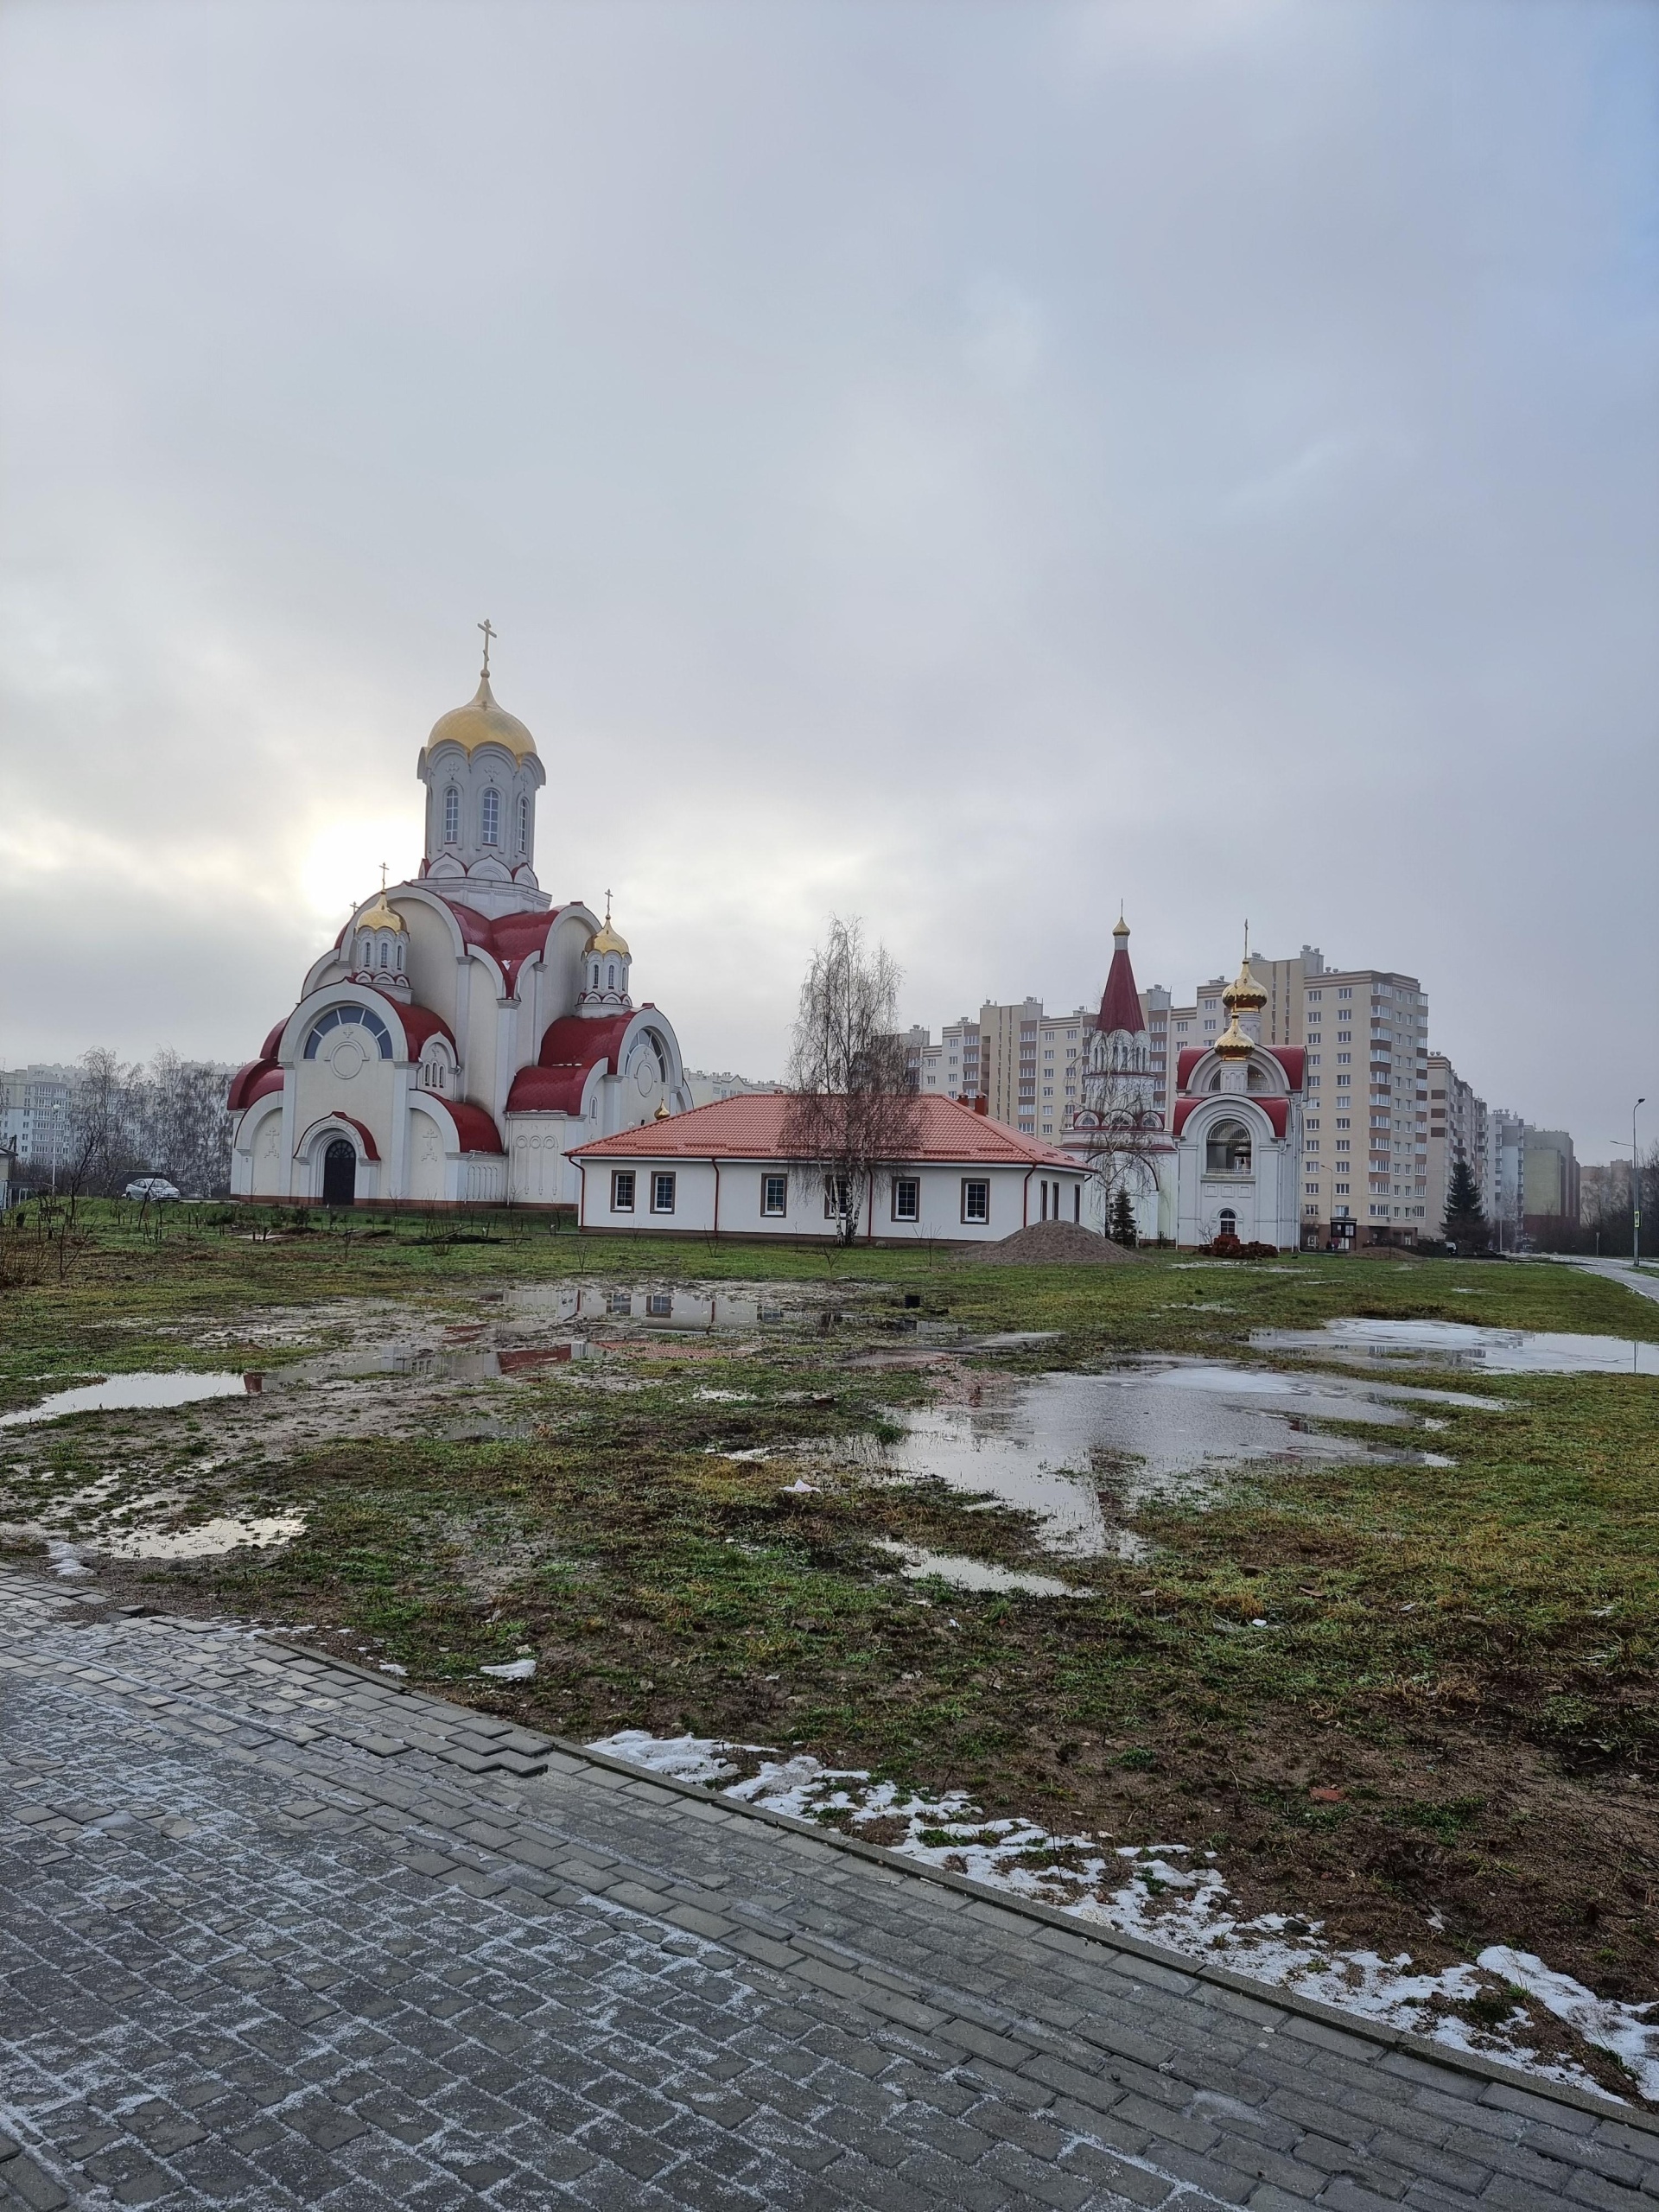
(1467, 1653)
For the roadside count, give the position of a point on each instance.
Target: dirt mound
(1053, 1244)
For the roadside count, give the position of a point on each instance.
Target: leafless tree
(100, 1152)
(1123, 1134)
(183, 1126)
(852, 1116)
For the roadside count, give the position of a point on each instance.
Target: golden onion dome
(381, 916)
(1244, 992)
(481, 722)
(1232, 1044)
(605, 939)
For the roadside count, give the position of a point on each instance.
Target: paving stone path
(274, 1935)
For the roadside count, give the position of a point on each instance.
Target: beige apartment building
(1457, 1131)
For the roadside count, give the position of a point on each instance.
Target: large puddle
(1460, 1343)
(129, 1393)
(1161, 1429)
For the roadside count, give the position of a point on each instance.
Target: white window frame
(768, 1211)
(659, 1176)
(623, 1178)
(976, 1200)
(907, 1186)
(489, 818)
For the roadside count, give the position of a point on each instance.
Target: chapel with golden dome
(465, 1032)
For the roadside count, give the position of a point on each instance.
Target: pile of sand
(1052, 1243)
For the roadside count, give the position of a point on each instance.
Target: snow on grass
(1169, 1895)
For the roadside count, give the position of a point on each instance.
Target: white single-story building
(723, 1170)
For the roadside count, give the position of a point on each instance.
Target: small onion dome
(1233, 1043)
(1243, 992)
(481, 722)
(380, 916)
(605, 939)
(1120, 927)
(662, 1113)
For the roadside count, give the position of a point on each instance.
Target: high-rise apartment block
(1025, 1063)
(35, 1114)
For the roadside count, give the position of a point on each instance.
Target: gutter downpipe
(714, 1164)
(582, 1202)
(1025, 1199)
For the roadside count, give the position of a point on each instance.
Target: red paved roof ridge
(751, 1125)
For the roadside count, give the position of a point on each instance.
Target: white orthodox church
(464, 1034)
(1237, 1120)
(1229, 1164)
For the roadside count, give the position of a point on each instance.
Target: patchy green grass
(1459, 1660)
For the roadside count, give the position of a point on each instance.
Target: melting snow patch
(1629, 2031)
(512, 1670)
(1168, 1895)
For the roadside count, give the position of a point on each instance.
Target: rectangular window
(662, 1192)
(976, 1199)
(660, 1304)
(622, 1190)
(906, 1197)
(774, 1195)
(618, 1301)
(838, 1197)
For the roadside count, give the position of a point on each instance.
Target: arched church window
(610, 976)
(524, 825)
(1228, 1152)
(490, 819)
(452, 817)
(385, 954)
(338, 1016)
(1228, 1223)
(595, 982)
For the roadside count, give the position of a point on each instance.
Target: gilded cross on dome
(488, 634)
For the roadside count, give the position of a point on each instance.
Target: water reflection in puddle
(961, 1573)
(669, 1307)
(1460, 1343)
(207, 1539)
(128, 1394)
(1160, 1429)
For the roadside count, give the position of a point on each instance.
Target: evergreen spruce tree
(1465, 1222)
(1123, 1220)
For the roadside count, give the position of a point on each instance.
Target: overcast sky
(956, 464)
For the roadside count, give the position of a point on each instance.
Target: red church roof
(1120, 1003)
(509, 938)
(751, 1127)
(573, 1047)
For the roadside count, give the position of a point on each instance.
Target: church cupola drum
(464, 1033)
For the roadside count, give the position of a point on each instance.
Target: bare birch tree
(853, 1117)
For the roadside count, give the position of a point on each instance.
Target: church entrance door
(340, 1173)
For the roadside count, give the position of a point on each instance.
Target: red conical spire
(1120, 1004)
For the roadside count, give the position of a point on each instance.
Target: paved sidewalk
(272, 1935)
(1644, 1283)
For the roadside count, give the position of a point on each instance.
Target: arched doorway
(340, 1173)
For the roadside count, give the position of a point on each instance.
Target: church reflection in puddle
(1159, 1429)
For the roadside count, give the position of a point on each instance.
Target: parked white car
(156, 1188)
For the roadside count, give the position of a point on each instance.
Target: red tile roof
(750, 1127)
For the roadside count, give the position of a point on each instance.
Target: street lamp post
(1635, 1191)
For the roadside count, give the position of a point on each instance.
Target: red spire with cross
(1120, 1004)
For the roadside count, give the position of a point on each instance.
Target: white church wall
(428, 1181)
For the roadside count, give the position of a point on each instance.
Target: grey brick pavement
(273, 1934)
